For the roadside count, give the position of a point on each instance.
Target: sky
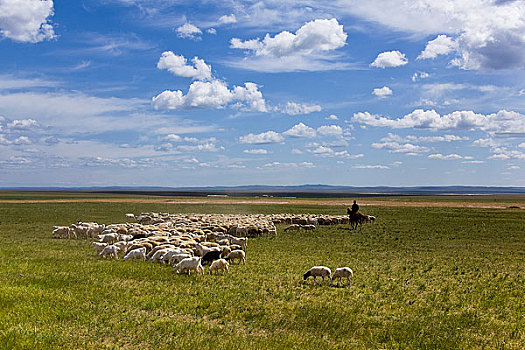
(204, 93)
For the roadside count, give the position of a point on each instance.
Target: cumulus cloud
(442, 45)
(452, 156)
(289, 165)
(263, 138)
(189, 31)
(309, 48)
(332, 117)
(256, 151)
(423, 139)
(419, 75)
(228, 19)
(395, 147)
(330, 130)
(389, 59)
(178, 65)
(324, 151)
(213, 94)
(382, 92)
(371, 167)
(173, 138)
(293, 108)
(22, 124)
(500, 122)
(26, 20)
(300, 131)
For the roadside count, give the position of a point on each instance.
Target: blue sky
(195, 93)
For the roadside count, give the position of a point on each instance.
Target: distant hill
(296, 191)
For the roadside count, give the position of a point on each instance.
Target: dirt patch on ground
(289, 201)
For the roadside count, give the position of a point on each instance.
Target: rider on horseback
(355, 209)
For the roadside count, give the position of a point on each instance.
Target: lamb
(130, 216)
(159, 254)
(220, 264)
(99, 246)
(175, 258)
(139, 253)
(62, 232)
(237, 254)
(341, 272)
(308, 227)
(110, 250)
(318, 271)
(188, 265)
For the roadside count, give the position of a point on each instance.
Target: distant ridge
(279, 191)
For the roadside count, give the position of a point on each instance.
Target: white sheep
(237, 254)
(217, 265)
(189, 264)
(99, 246)
(108, 238)
(110, 250)
(159, 254)
(341, 272)
(139, 253)
(243, 242)
(318, 271)
(176, 258)
(308, 227)
(130, 216)
(294, 227)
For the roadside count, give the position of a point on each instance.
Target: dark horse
(358, 219)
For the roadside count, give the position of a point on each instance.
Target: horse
(358, 219)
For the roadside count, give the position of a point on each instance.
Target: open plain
(430, 272)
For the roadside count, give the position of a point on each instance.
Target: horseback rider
(353, 210)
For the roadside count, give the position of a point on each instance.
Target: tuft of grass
(424, 278)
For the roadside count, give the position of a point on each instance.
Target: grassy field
(424, 278)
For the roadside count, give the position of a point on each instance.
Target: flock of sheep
(190, 241)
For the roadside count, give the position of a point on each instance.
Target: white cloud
(332, 117)
(263, 138)
(382, 92)
(293, 108)
(289, 165)
(211, 31)
(179, 66)
(442, 45)
(389, 59)
(228, 19)
(26, 20)
(396, 147)
(419, 75)
(445, 157)
(300, 131)
(23, 124)
(501, 122)
(430, 139)
(189, 31)
(256, 151)
(324, 151)
(370, 167)
(330, 130)
(173, 138)
(308, 49)
(212, 95)
(522, 145)
(294, 151)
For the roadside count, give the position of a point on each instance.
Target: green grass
(424, 278)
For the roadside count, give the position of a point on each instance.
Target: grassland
(424, 278)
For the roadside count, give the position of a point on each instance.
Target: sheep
(99, 246)
(108, 238)
(62, 232)
(308, 227)
(202, 250)
(237, 254)
(188, 265)
(176, 257)
(341, 272)
(209, 257)
(130, 216)
(318, 271)
(110, 250)
(159, 254)
(243, 242)
(220, 264)
(139, 253)
(294, 227)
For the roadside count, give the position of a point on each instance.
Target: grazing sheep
(130, 216)
(188, 265)
(318, 271)
(108, 238)
(176, 258)
(243, 242)
(139, 253)
(159, 254)
(294, 227)
(110, 250)
(220, 264)
(341, 272)
(99, 246)
(308, 227)
(209, 257)
(237, 254)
